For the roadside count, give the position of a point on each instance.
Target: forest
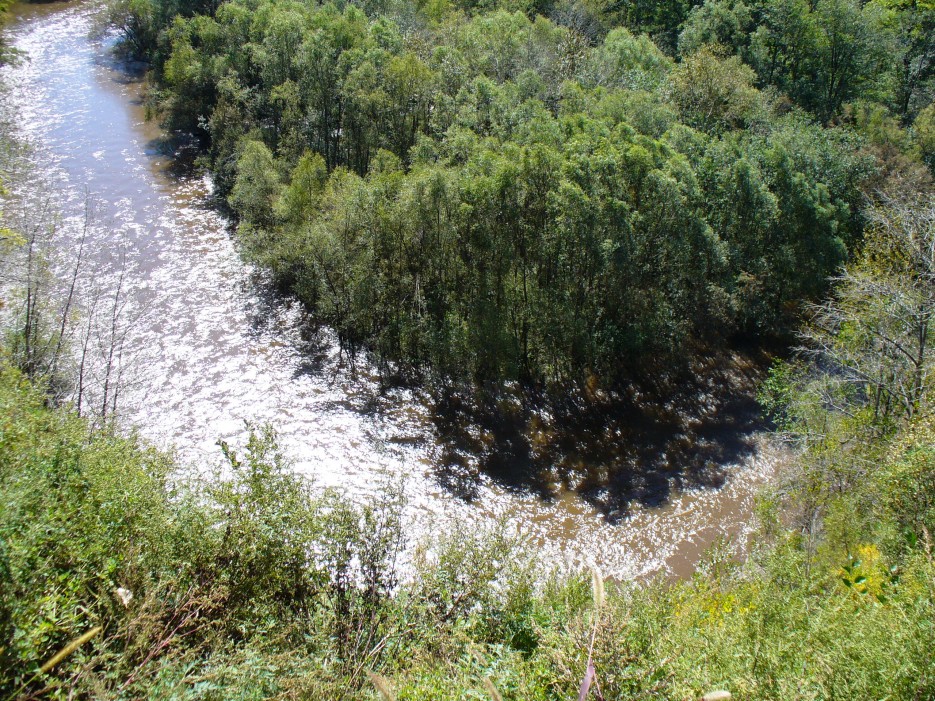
(549, 193)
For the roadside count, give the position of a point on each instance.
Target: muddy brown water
(216, 348)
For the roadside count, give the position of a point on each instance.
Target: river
(215, 347)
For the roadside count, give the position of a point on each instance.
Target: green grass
(261, 587)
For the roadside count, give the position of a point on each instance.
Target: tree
(821, 54)
(627, 61)
(874, 334)
(784, 41)
(299, 200)
(722, 22)
(913, 26)
(714, 93)
(850, 53)
(256, 187)
(924, 135)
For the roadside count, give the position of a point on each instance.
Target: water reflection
(216, 348)
(614, 451)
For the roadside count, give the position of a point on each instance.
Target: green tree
(850, 53)
(924, 135)
(627, 61)
(714, 93)
(725, 23)
(912, 23)
(256, 187)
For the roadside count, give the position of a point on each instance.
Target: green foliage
(627, 61)
(479, 195)
(256, 187)
(137, 23)
(911, 26)
(255, 557)
(714, 94)
(717, 22)
(78, 520)
(924, 133)
(776, 393)
(825, 55)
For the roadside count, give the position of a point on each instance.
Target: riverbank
(116, 584)
(218, 348)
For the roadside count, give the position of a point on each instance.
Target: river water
(214, 348)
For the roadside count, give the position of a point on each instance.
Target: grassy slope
(228, 605)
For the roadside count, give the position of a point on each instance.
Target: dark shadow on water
(125, 71)
(637, 446)
(640, 446)
(180, 149)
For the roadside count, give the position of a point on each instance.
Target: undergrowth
(259, 586)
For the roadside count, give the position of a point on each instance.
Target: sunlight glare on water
(215, 348)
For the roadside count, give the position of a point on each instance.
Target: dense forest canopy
(554, 191)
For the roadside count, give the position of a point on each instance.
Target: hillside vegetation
(260, 587)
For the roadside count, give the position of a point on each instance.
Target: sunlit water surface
(214, 348)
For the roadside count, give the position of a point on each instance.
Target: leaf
(860, 580)
(847, 582)
(586, 682)
(10, 238)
